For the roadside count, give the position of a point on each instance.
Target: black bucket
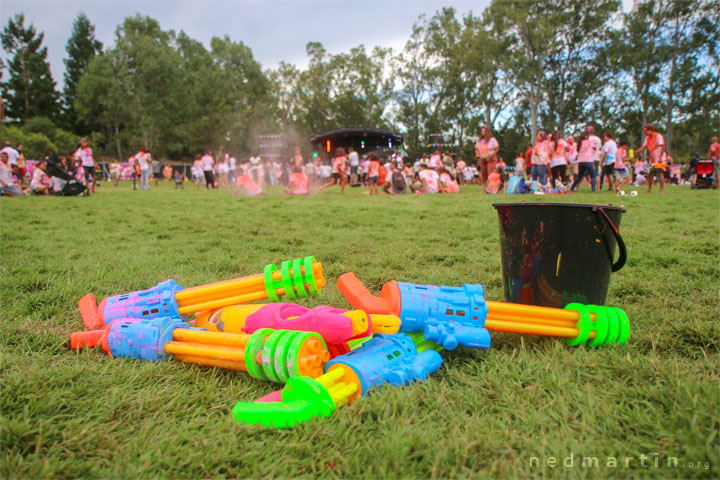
(558, 253)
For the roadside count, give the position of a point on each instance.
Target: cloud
(274, 30)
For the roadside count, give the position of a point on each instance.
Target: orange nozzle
(88, 338)
(388, 303)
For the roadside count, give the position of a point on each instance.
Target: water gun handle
(89, 338)
(360, 297)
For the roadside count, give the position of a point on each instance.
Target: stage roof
(355, 132)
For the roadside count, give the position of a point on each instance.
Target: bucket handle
(621, 244)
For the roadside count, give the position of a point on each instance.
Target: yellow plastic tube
(233, 288)
(520, 310)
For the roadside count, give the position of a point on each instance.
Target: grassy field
(525, 408)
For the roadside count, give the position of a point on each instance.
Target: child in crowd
(40, 180)
(447, 182)
(640, 169)
(520, 165)
(298, 183)
(373, 172)
(114, 172)
(494, 182)
(409, 174)
(460, 167)
(179, 179)
(621, 172)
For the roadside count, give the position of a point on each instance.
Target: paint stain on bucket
(557, 268)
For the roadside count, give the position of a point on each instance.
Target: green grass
(483, 414)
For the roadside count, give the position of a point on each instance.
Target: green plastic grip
(611, 325)
(303, 398)
(297, 284)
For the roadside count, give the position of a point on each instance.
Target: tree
(30, 90)
(574, 71)
(245, 89)
(531, 29)
(361, 87)
(413, 97)
(81, 48)
(640, 52)
(101, 95)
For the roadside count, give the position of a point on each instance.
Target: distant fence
(126, 169)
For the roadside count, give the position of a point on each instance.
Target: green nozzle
(296, 284)
(611, 325)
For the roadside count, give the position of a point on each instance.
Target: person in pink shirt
(246, 181)
(586, 161)
(655, 145)
(540, 158)
(571, 157)
(558, 160)
(486, 150)
(435, 160)
(373, 172)
(338, 171)
(520, 165)
(298, 183)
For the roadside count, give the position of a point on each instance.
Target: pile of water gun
(326, 357)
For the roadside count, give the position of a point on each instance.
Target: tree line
(517, 67)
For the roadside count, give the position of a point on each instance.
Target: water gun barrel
(456, 316)
(298, 278)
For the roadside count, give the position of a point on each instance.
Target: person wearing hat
(85, 155)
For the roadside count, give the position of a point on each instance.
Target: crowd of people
(14, 171)
(552, 164)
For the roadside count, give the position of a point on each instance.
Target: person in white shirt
(609, 151)
(325, 171)
(596, 146)
(429, 179)
(11, 153)
(208, 164)
(232, 164)
(354, 159)
(144, 161)
(85, 155)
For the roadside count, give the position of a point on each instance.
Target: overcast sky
(274, 30)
